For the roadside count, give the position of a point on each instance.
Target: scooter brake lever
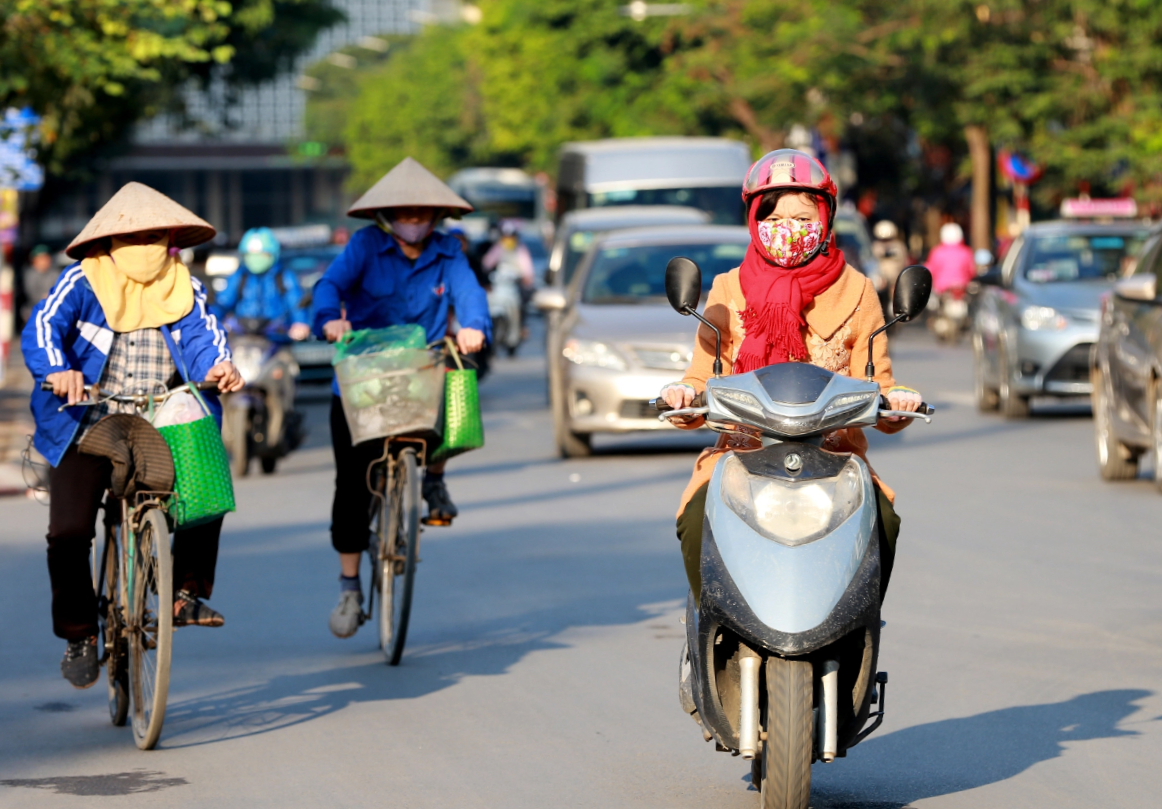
(685, 411)
(906, 414)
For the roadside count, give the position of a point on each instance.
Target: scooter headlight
(248, 360)
(791, 513)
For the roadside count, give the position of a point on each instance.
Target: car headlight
(1042, 318)
(791, 513)
(590, 352)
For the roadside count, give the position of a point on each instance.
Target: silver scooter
(781, 664)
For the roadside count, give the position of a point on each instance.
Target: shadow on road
(618, 572)
(955, 755)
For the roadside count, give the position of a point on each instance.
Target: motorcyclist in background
(263, 305)
(951, 262)
(510, 267)
(891, 252)
(262, 292)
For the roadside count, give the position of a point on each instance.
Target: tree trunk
(980, 156)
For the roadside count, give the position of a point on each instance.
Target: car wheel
(569, 443)
(986, 397)
(1157, 435)
(575, 445)
(1114, 460)
(1013, 405)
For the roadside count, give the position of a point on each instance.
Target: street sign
(18, 166)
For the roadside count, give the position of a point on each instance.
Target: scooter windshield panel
(794, 383)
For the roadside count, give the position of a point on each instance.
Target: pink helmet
(790, 169)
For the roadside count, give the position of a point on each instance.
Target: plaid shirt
(138, 361)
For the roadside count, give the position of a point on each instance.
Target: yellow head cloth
(139, 286)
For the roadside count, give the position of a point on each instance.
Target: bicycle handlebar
(131, 398)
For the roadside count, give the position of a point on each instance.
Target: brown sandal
(190, 611)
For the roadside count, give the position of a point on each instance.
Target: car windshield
(502, 201)
(638, 274)
(1080, 257)
(723, 203)
(575, 247)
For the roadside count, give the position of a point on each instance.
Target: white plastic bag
(181, 408)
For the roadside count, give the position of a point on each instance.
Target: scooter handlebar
(659, 404)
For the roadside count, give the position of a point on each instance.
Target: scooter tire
(786, 782)
(238, 438)
(269, 465)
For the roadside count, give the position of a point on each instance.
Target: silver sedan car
(1037, 318)
(619, 341)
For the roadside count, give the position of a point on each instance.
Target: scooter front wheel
(786, 782)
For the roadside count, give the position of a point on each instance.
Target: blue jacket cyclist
(398, 271)
(262, 292)
(127, 317)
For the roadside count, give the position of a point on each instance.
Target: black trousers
(351, 508)
(77, 486)
(690, 536)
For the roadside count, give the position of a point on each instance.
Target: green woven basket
(463, 425)
(203, 489)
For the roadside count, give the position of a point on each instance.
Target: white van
(704, 173)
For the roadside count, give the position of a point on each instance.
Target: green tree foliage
(417, 102)
(1073, 84)
(91, 68)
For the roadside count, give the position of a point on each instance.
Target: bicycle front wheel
(150, 624)
(112, 633)
(399, 536)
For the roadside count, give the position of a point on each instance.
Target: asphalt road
(1024, 637)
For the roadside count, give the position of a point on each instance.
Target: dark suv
(1127, 370)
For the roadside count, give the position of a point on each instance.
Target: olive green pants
(690, 537)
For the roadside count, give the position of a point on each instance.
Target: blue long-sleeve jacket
(380, 287)
(68, 331)
(274, 295)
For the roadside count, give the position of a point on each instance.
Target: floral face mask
(789, 242)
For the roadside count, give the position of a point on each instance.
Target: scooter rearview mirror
(684, 290)
(913, 288)
(683, 284)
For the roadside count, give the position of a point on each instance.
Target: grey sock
(350, 583)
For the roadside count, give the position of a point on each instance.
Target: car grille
(634, 409)
(1073, 367)
(663, 359)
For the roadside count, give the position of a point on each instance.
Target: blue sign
(18, 166)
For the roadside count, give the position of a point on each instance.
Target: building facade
(239, 165)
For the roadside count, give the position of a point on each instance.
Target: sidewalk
(15, 423)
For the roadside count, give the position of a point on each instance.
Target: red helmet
(789, 169)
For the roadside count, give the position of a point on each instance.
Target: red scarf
(776, 297)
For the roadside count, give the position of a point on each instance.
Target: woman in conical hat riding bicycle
(398, 271)
(101, 324)
(794, 299)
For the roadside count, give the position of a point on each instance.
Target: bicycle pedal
(435, 521)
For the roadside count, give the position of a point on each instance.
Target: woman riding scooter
(794, 299)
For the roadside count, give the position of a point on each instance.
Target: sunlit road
(1024, 637)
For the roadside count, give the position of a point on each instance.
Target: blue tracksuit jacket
(68, 331)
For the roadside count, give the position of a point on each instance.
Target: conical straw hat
(408, 184)
(138, 207)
